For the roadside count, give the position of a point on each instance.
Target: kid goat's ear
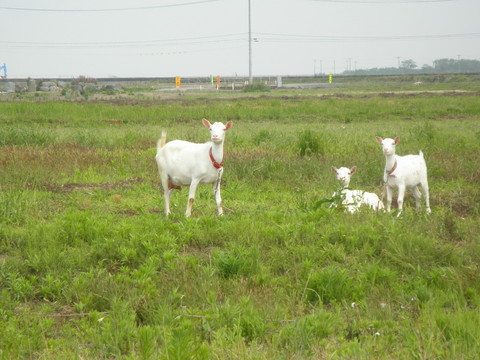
(206, 123)
(334, 169)
(397, 140)
(379, 139)
(229, 125)
(353, 170)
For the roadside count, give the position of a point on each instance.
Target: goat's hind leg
(417, 195)
(167, 191)
(426, 194)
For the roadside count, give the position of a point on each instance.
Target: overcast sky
(163, 38)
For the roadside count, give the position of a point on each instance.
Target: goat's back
(372, 200)
(352, 200)
(184, 160)
(411, 168)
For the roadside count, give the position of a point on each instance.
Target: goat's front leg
(389, 197)
(401, 195)
(216, 191)
(191, 197)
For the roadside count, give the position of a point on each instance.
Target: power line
(112, 9)
(234, 37)
(73, 46)
(292, 37)
(392, 2)
(178, 41)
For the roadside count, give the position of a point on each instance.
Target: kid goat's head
(217, 130)
(344, 174)
(388, 145)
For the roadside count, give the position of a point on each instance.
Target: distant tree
(445, 65)
(469, 66)
(427, 68)
(440, 66)
(409, 64)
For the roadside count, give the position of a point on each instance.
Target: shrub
(238, 261)
(330, 285)
(25, 136)
(309, 143)
(303, 334)
(256, 87)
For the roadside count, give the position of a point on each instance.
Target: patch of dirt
(70, 187)
(128, 212)
(393, 94)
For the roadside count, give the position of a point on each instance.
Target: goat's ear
(353, 170)
(206, 123)
(229, 125)
(397, 140)
(334, 169)
(379, 139)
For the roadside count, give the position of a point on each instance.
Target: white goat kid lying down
(402, 172)
(352, 200)
(189, 164)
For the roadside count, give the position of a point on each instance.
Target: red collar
(214, 162)
(390, 172)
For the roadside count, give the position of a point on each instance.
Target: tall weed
(309, 143)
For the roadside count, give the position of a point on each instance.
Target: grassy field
(91, 269)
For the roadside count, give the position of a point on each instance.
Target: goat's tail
(162, 141)
(420, 153)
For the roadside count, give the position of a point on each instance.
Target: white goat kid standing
(352, 200)
(404, 172)
(189, 164)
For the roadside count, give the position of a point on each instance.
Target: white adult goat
(352, 200)
(185, 163)
(404, 172)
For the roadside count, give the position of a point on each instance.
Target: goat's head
(388, 145)
(217, 130)
(344, 175)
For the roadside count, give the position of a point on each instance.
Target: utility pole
(315, 71)
(250, 76)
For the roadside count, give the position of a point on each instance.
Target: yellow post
(330, 78)
(178, 81)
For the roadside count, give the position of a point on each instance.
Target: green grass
(91, 269)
